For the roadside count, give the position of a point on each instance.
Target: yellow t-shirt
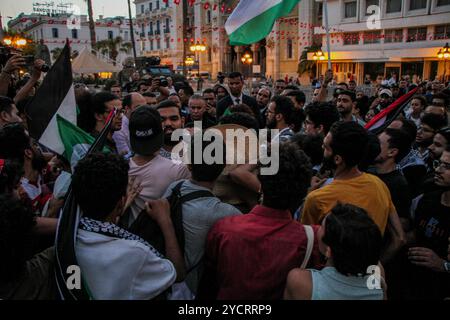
(366, 191)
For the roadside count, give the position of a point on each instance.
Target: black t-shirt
(400, 193)
(432, 222)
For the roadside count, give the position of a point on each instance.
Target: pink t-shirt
(155, 176)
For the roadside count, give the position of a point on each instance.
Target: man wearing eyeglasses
(103, 103)
(429, 271)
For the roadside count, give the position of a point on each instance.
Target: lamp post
(444, 53)
(197, 48)
(247, 58)
(318, 55)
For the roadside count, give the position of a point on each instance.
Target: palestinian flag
(55, 96)
(252, 20)
(66, 232)
(384, 118)
(76, 141)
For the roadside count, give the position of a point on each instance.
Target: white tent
(86, 62)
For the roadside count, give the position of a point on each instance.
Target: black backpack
(148, 229)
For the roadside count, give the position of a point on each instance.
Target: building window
(74, 33)
(151, 45)
(208, 15)
(393, 6)
(42, 33)
(209, 54)
(442, 32)
(55, 33)
(372, 37)
(441, 3)
(417, 34)
(167, 3)
(417, 4)
(151, 27)
(158, 44)
(110, 35)
(167, 25)
(289, 49)
(158, 30)
(350, 9)
(150, 6)
(394, 35)
(142, 8)
(157, 4)
(351, 38)
(371, 3)
(167, 43)
(143, 28)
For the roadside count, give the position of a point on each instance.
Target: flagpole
(325, 12)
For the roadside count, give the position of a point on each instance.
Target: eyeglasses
(437, 164)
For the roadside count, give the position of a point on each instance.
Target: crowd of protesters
(348, 215)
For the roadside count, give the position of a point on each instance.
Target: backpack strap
(310, 236)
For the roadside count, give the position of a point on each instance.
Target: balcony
(166, 30)
(150, 33)
(157, 31)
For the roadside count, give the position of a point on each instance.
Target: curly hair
(98, 182)
(10, 176)
(355, 240)
(289, 185)
(350, 141)
(322, 113)
(16, 225)
(240, 118)
(13, 142)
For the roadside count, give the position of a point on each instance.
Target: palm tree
(306, 65)
(91, 22)
(112, 48)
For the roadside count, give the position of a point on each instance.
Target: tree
(306, 65)
(112, 48)
(91, 22)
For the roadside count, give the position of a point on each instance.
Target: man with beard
(429, 272)
(344, 148)
(262, 99)
(236, 84)
(383, 101)
(345, 103)
(430, 124)
(185, 93)
(211, 101)
(279, 115)
(103, 103)
(16, 144)
(394, 145)
(171, 120)
(122, 137)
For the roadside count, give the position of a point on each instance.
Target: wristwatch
(447, 266)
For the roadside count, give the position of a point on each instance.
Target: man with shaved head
(122, 137)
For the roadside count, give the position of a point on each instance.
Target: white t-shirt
(121, 269)
(155, 176)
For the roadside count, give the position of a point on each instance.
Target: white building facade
(54, 30)
(160, 30)
(393, 36)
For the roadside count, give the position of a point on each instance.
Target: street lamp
(318, 55)
(444, 53)
(197, 48)
(16, 42)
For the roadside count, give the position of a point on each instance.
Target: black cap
(146, 133)
(349, 93)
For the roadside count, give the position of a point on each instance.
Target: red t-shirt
(252, 254)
